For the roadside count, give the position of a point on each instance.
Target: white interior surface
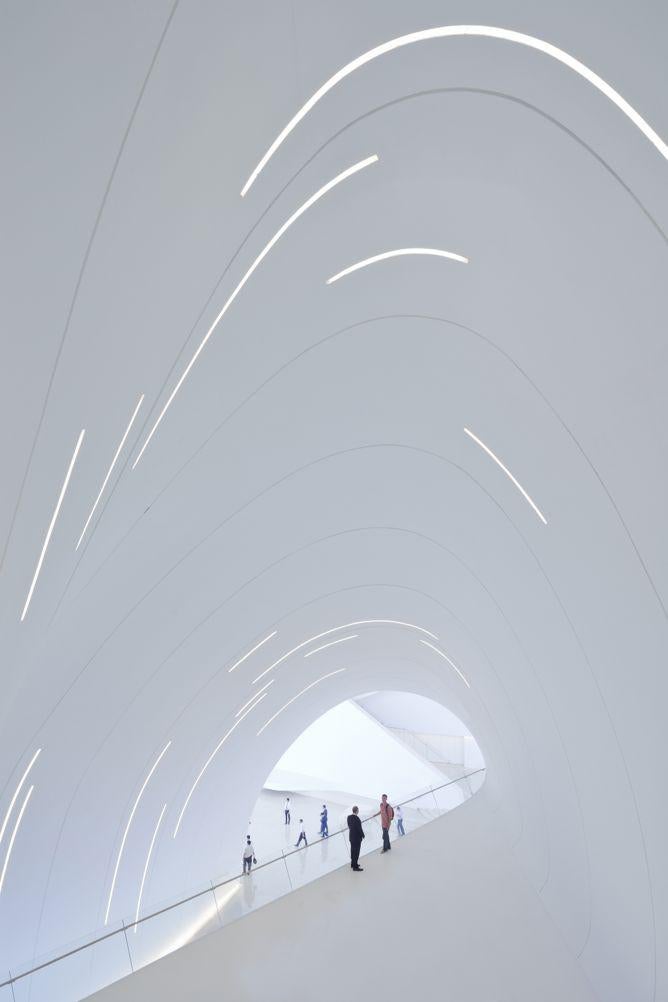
(443, 749)
(397, 939)
(313, 469)
(410, 712)
(349, 750)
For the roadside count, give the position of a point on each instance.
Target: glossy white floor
(446, 915)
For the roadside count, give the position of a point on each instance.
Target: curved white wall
(313, 469)
(349, 751)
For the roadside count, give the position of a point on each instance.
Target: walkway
(446, 915)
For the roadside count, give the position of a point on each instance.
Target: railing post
(11, 985)
(433, 795)
(127, 946)
(286, 868)
(215, 901)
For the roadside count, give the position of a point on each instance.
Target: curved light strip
(113, 463)
(305, 689)
(252, 651)
(507, 473)
(11, 841)
(344, 626)
(263, 253)
(16, 794)
(449, 660)
(401, 252)
(53, 521)
(254, 697)
(146, 864)
(210, 760)
(127, 829)
(453, 31)
(332, 643)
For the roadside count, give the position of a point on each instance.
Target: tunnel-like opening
(403, 744)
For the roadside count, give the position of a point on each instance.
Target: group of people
(324, 824)
(356, 831)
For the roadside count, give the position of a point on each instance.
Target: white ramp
(446, 915)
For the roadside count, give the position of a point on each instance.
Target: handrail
(212, 887)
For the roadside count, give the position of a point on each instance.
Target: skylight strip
(449, 660)
(343, 176)
(127, 829)
(508, 474)
(453, 31)
(332, 643)
(16, 795)
(401, 252)
(254, 697)
(210, 760)
(53, 521)
(11, 841)
(109, 471)
(146, 864)
(252, 651)
(335, 629)
(290, 701)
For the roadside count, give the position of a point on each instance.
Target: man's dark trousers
(386, 839)
(355, 853)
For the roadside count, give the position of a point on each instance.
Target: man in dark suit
(356, 834)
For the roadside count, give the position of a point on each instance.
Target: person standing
(249, 855)
(399, 815)
(287, 810)
(355, 834)
(386, 815)
(324, 828)
(302, 834)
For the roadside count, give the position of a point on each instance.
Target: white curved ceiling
(313, 469)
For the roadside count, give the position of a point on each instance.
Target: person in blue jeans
(398, 814)
(324, 829)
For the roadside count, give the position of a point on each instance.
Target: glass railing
(88, 965)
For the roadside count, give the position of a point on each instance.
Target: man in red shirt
(386, 815)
